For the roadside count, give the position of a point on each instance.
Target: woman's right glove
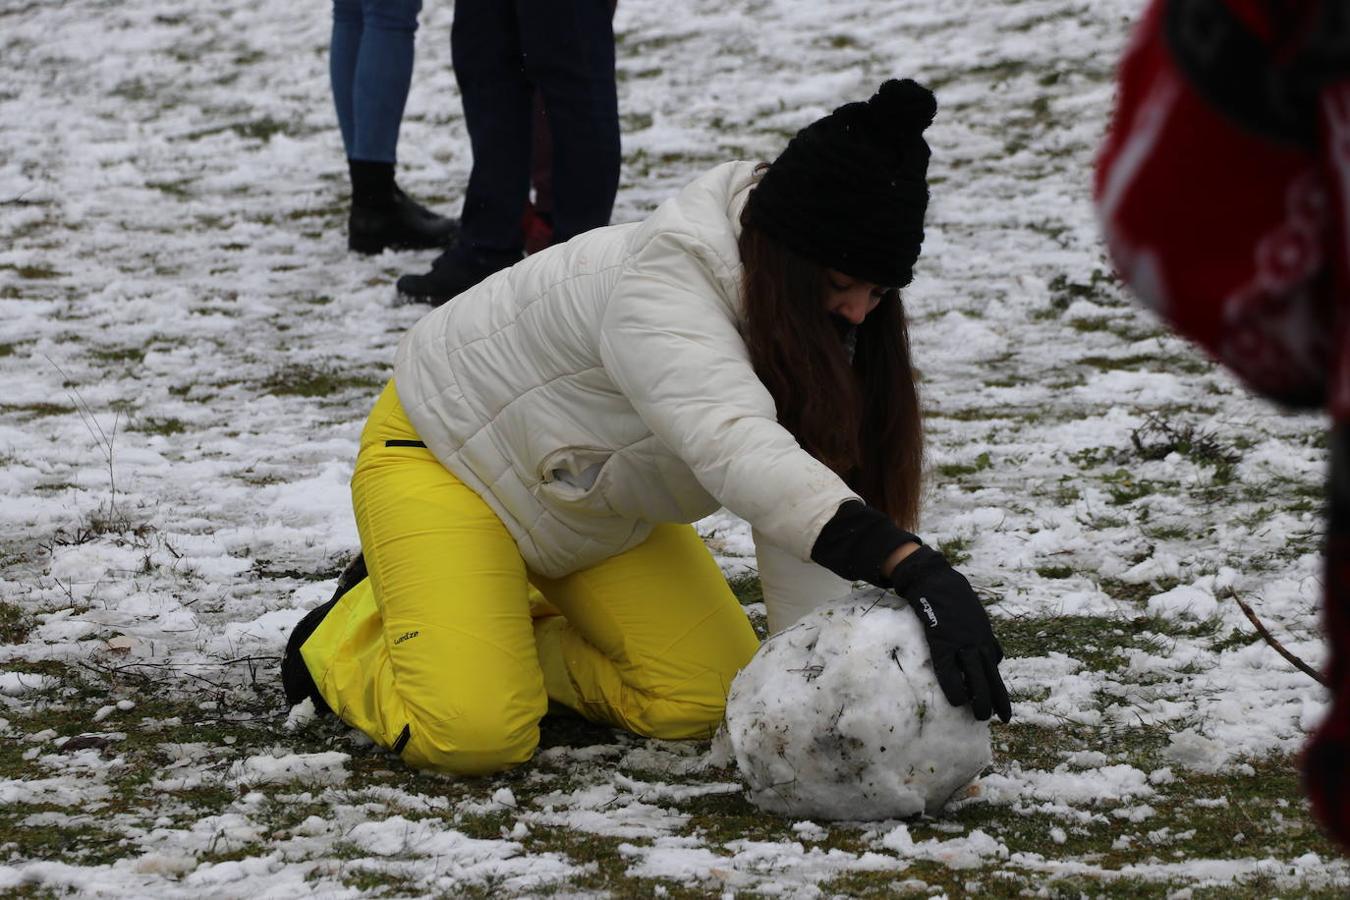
(965, 652)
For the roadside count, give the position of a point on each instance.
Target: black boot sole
(295, 678)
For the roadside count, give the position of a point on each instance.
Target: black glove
(965, 652)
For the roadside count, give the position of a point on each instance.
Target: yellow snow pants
(450, 651)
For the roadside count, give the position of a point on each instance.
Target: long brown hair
(860, 418)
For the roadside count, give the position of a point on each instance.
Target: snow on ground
(188, 353)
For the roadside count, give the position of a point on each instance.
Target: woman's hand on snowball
(960, 637)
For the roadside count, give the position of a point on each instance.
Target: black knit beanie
(850, 190)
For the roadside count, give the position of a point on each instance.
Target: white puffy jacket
(602, 386)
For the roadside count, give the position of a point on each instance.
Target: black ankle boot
(295, 678)
(383, 216)
(452, 273)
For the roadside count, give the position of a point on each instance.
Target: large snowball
(840, 717)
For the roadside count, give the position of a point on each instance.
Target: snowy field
(187, 353)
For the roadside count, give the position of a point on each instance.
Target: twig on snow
(19, 199)
(1279, 648)
(103, 439)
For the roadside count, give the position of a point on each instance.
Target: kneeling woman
(525, 482)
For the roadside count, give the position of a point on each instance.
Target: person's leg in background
(537, 222)
(370, 67)
(649, 640)
(343, 50)
(434, 655)
(569, 54)
(381, 77)
(486, 50)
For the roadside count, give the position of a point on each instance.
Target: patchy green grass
(956, 470)
(178, 189)
(131, 356)
(1158, 438)
(956, 549)
(260, 129)
(32, 272)
(1091, 326)
(133, 90)
(839, 41)
(310, 381)
(1124, 487)
(1097, 642)
(1007, 381)
(164, 426)
(36, 410)
(15, 623)
(747, 589)
(380, 882)
(266, 568)
(1144, 362)
(1134, 593)
(1102, 288)
(631, 123)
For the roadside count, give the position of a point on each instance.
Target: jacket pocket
(576, 476)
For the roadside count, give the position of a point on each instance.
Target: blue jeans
(370, 62)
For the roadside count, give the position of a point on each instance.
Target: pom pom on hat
(906, 105)
(850, 190)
